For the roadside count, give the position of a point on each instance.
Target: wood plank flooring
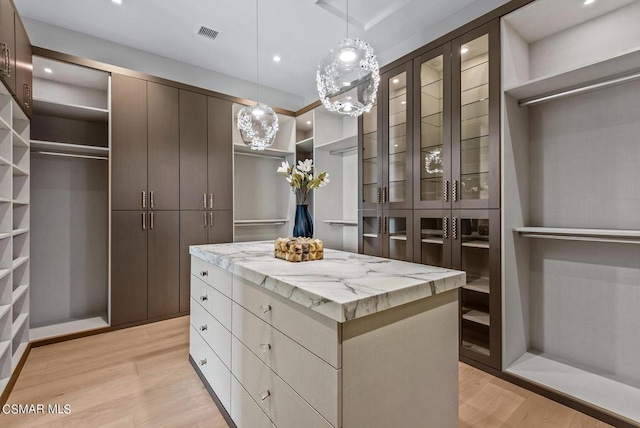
(141, 377)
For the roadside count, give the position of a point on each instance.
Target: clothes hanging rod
(339, 152)
(581, 238)
(70, 155)
(580, 90)
(262, 155)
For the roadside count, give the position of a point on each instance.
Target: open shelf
(305, 145)
(19, 171)
(19, 261)
(18, 354)
(19, 292)
(70, 111)
(79, 149)
(69, 326)
(341, 144)
(17, 232)
(4, 347)
(476, 316)
(4, 310)
(18, 323)
(480, 285)
(341, 222)
(589, 235)
(272, 153)
(599, 390)
(18, 141)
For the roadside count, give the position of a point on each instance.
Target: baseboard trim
(216, 400)
(148, 321)
(567, 400)
(14, 376)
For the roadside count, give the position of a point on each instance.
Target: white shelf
(432, 241)
(476, 244)
(16, 202)
(19, 261)
(271, 153)
(18, 141)
(341, 222)
(18, 292)
(18, 323)
(70, 111)
(306, 144)
(476, 348)
(5, 235)
(260, 222)
(4, 161)
(370, 235)
(480, 285)
(341, 144)
(577, 77)
(79, 149)
(398, 237)
(476, 316)
(19, 171)
(17, 232)
(4, 347)
(70, 326)
(4, 310)
(18, 354)
(4, 124)
(598, 390)
(589, 235)
(4, 272)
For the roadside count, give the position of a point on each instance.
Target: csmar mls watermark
(36, 409)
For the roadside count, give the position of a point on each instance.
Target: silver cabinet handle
(445, 190)
(264, 395)
(454, 191)
(445, 228)
(204, 220)
(6, 58)
(386, 225)
(265, 308)
(204, 273)
(384, 195)
(151, 199)
(379, 225)
(204, 201)
(204, 298)
(210, 201)
(144, 199)
(26, 92)
(454, 228)
(202, 362)
(203, 327)
(379, 193)
(211, 219)
(151, 220)
(144, 221)
(265, 347)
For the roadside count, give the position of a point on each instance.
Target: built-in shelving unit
(570, 115)
(71, 111)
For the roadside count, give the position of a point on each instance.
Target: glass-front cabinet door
(432, 130)
(432, 243)
(397, 138)
(370, 233)
(475, 238)
(476, 120)
(371, 167)
(397, 232)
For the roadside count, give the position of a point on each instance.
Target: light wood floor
(140, 377)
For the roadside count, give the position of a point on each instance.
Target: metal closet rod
(70, 155)
(580, 90)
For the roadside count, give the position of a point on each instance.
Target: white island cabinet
(350, 341)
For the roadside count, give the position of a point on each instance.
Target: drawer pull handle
(265, 308)
(264, 395)
(204, 273)
(202, 362)
(204, 298)
(203, 327)
(264, 347)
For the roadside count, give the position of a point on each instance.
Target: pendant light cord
(347, 19)
(257, 55)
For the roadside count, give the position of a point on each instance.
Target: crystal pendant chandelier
(258, 124)
(349, 76)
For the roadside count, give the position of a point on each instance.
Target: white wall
(70, 42)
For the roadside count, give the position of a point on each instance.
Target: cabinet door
(220, 227)
(129, 142)
(220, 154)
(370, 233)
(476, 119)
(397, 233)
(432, 129)
(8, 37)
(370, 168)
(128, 266)
(193, 151)
(164, 263)
(476, 250)
(23, 67)
(397, 140)
(163, 148)
(432, 245)
(194, 230)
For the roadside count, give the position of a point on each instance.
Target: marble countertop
(343, 286)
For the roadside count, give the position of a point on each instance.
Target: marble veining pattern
(343, 286)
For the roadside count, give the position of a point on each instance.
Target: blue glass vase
(303, 226)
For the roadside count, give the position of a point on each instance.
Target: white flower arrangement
(302, 179)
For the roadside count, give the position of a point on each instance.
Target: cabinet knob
(202, 362)
(265, 308)
(204, 273)
(265, 347)
(264, 395)
(204, 298)
(203, 327)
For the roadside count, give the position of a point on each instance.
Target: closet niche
(69, 199)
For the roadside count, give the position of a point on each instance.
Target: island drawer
(215, 372)
(314, 379)
(281, 403)
(216, 303)
(313, 331)
(219, 279)
(244, 411)
(214, 334)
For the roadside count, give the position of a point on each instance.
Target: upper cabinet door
(129, 143)
(397, 140)
(370, 169)
(193, 151)
(432, 130)
(8, 41)
(220, 154)
(476, 119)
(23, 67)
(163, 148)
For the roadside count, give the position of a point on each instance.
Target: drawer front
(214, 334)
(244, 411)
(314, 379)
(216, 303)
(281, 403)
(315, 332)
(217, 374)
(218, 278)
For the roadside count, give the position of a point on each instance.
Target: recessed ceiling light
(464, 50)
(588, 2)
(308, 122)
(117, 1)
(48, 70)
(276, 58)
(346, 83)
(396, 80)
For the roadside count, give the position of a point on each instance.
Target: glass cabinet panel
(432, 162)
(371, 239)
(397, 138)
(433, 250)
(474, 117)
(397, 233)
(370, 185)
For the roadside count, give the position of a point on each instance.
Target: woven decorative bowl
(299, 249)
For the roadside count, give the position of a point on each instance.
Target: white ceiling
(300, 31)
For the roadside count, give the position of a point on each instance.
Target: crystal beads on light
(348, 78)
(258, 126)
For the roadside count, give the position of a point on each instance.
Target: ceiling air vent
(208, 32)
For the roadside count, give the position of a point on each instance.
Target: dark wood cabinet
(432, 237)
(129, 143)
(220, 154)
(23, 67)
(193, 151)
(386, 233)
(163, 243)
(128, 266)
(163, 148)
(8, 44)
